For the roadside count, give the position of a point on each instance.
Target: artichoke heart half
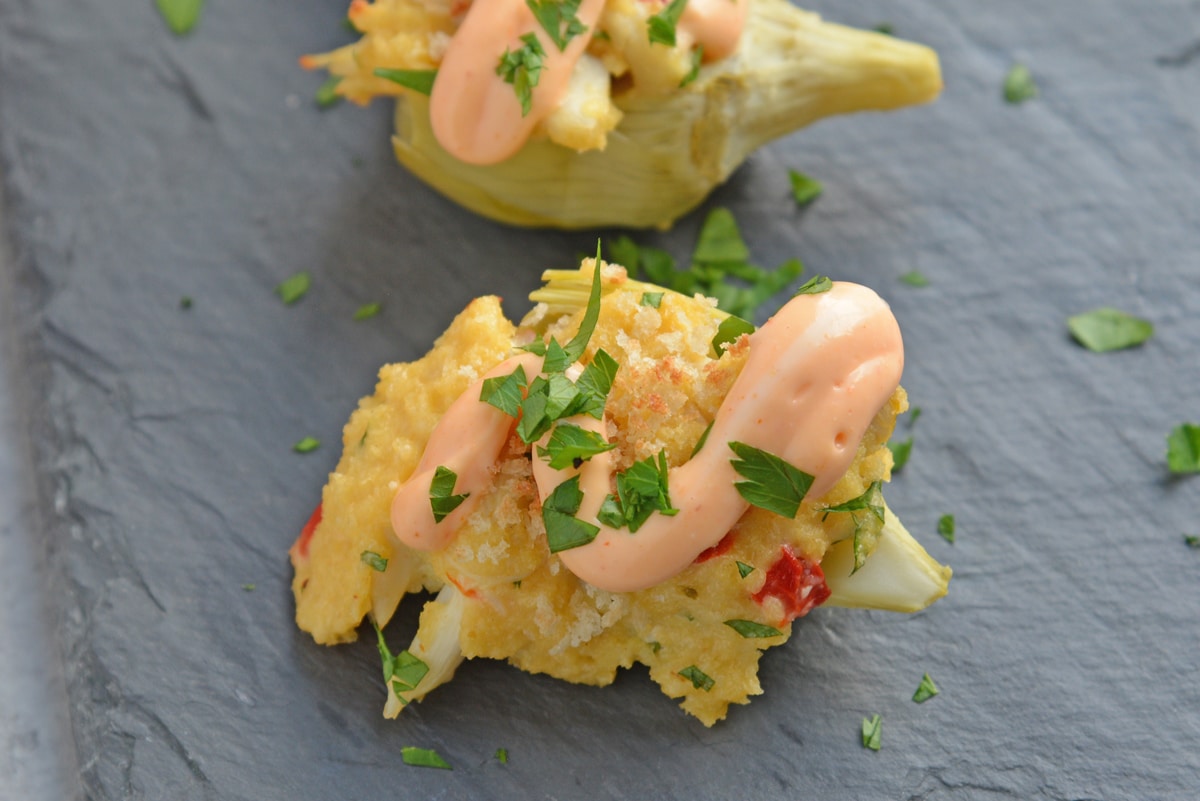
(673, 144)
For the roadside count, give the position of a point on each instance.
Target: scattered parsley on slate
(914, 278)
(502, 756)
(926, 690)
(900, 453)
(185, 302)
(307, 445)
(1019, 85)
(293, 288)
(1191, 541)
(1183, 449)
(945, 527)
(871, 732)
(327, 95)
(423, 758)
(367, 311)
(804, 189)
(1105, 329)
(180, 15)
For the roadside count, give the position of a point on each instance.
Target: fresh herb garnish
(870, 500)
(699, 679)
(1191, 540)
(595, 383)
(703, 439)
(913, 416)
(249, 587)
(591, 314)
(1019, 85)
(571, 446)
(402, 671)
(373, 561)
(730, 329)
(750, 629)
(900, 453)
(417, 80)
(697, 57)
(558, 19)
(925, 690)
(293, 288)
(563, 530)
(307, 445)
(367, 311)
(180, 15)
(945, 527)
(661, 26)
(550, 398)
(914, 278)
(652, 299)
(1105, 329)
(772, 483)
(523, 69)
(720, 240)
(442, 499)
(804, 189)
(817, 285)
(886, 28)
(327, 95)
(423, 758)
(642, 490)
(871, 730)
(1183, 449)
(744, 569)
(502, 756)
(185, 302)
(505, 392)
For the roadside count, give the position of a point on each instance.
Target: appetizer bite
(586, 113)
(629, 475)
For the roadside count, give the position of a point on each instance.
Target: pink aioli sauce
(817, 374)
(476, 116)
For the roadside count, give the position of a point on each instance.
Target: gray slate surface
(147, 472)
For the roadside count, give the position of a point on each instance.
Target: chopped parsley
(913, 416)
(523, 69)
(900, 453)
(595, 383)
(703, 439)
(367, 311)
(925, 690)
(293, 288)
(750, 629)
(563, 530)
(442, 499)
(661, 26)
(871, 730)
(728, 332)
(697, 57)
(373, 561)
(249, 587)
(699, 679)
(1105, 329)
(1019, 85)
(571, 446)
(180, 15)
(772, 483)
(817, 285)
(185, 302)
(865, 532)
(945, 527)
(502, 756)
(1183, 449)
(1190, 540)
(423, 758)
(402, 671)
(307, 445)
(642, 490)
(804, 189)
(886, 28)
(744, 569)
(914, 278)
(558, 19)
(652, 299)
(505, 392)
(327, 95)
(417, 80)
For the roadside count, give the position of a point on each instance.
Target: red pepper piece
(300, 548)
(796, 582)
(720, 548)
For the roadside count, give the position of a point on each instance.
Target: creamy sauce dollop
(817, 374)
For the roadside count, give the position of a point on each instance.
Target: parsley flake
(373, 561)
(703, 439)
(652, 299)
(327, 95)
(804, 189)
(591, 315)
(871, 730)
(817, 285)
(418, 80)
(744, 569)
(307, 445)
(595, 383)
(571, 446)
(642, 490)
(886, 28)
(402, 671)
(1105, 329)
(558, 19)
(945, 527)
(249, 587)
(441, 493)
(1191, 541)
(699, 679)
(697, 57)
(523, 69)
(900, 453)
(772, 483)
(423, 758)
(925, 690)
(750, 629)
(661, 26)
(367, 311)
(914, 278)
(1019, 85)
(720, 240)
(502, 756)
(563, 530)
(728, 332)
(293, 288)
(185, 303)
(505, 392)
(865, 533)
(1183, 449)
(180, 15)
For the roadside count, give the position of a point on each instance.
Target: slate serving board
(148, 473)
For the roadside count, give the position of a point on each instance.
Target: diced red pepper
(796, 582)
(299, 549)
(721, 547)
